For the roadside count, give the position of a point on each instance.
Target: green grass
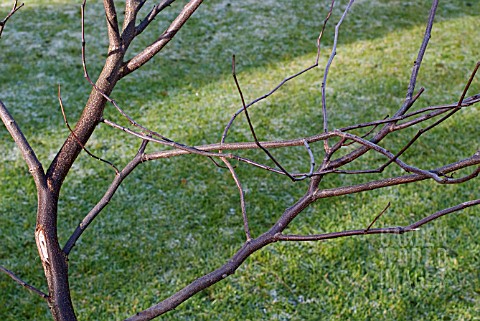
(174, 220)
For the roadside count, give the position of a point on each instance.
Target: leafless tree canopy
(49, 179)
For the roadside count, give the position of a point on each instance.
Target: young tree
(339, 153)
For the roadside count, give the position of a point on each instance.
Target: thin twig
(389, 155)
(23, 283)
(180, 147)
(377, 217)
(408, 101)
(418, 62)
(386, 230)
(399, 180)
(319, 39)
(437, 177)
(15, 8)
(253, 102)
(283, 82)
(467, 86)
(327, 69)
(367, 133)
(84, 62)
(312, 158)
(443, 212)
(422, 118)
(183, 149)
(76, 138)
(423, 130)
(151, 15)
(251, 126)
(437, 110)
(242, 198)
(216, 163)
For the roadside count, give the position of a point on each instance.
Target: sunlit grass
(174, 220)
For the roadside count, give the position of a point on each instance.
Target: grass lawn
(174, 220)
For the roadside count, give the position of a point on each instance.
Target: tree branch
(55, 260)
(144, 56)
(132, 7)
(105, 199)
(399, 180)
(283, 82)
(152, 15)
(408, 101)
(251, 126)
(62, 108)
(242, 198)
(387, 230)
(417, 63)
(437, 110)
(23, 283)
(34, 166)
(327, 69)
(193, 149)
(221, 273)
(377, 217)
(274, 235)
(15, 8)
(113, 32)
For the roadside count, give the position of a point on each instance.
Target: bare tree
(334, 160)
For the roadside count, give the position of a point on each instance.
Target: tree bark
(54, 259)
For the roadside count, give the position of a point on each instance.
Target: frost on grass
(10, 153)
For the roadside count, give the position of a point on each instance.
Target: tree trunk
(54, 259)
